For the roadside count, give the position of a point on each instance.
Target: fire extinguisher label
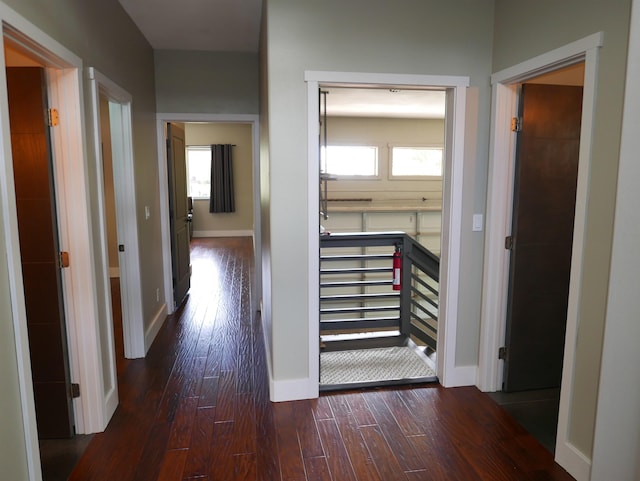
(396, 276)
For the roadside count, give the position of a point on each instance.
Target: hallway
(197, 408)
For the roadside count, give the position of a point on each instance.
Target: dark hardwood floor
(197, 408)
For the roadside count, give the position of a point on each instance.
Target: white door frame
(127, 228)
(126, 217)
(449, 374)
(162, 119)
(64, 73)
(499, 210)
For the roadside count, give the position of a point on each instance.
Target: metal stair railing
(358, 306)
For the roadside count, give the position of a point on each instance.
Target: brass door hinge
(502, 353)
(516, 124)
(53, 117)
(75, 390)
(64, 259)
(508, 242)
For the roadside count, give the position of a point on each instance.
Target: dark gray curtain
(222, 195)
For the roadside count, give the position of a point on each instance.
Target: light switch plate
(477, 223)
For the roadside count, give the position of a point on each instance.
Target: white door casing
(448, 373)
(122, 153)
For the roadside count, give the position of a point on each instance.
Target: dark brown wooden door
(178, 212)
(37, 227)
(542, 230)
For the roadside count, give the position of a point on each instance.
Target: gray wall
(409, 37)
(104, 37)
(550, 24)
(206, 82)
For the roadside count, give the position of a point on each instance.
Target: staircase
(359, 309)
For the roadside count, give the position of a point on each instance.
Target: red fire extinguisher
(397, 269)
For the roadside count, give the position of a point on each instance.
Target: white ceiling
(234, 26)
(213, 25)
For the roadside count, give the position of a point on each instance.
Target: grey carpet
(374, 365)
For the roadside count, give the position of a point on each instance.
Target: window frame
(376, 149)
(439, 147)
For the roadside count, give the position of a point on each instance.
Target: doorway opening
(382, 154)
(453, 127)
(499, 212)
(201, 131)
(540, 242)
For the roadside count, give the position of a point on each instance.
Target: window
(416, 162)
(350, 160)
(199, 172)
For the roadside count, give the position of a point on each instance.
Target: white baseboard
(114, 272)
(292, 389)
(152, 331)
(223, 233)
(462, 376)
(573, 461)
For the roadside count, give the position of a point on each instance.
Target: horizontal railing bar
(424, 284)
(357, 257)
(355, 283)
(418, 318)
(373, 323)
(355, 270)
(348, 310)
(425, 298)
(423, 309)
(365, 343)
(429, 341)
(362, 239)
(419, 293)
(360, 297)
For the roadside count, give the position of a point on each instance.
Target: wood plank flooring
(197, 408)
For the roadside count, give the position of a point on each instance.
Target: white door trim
(129, 261)
(127, 223)
(499, 202)
(448, 373)
(163, 179)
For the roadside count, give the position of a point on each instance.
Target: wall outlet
(157, 294)
(147, 212)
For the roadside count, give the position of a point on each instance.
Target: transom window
(349, 160)
(198, 172)
(416, 162)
